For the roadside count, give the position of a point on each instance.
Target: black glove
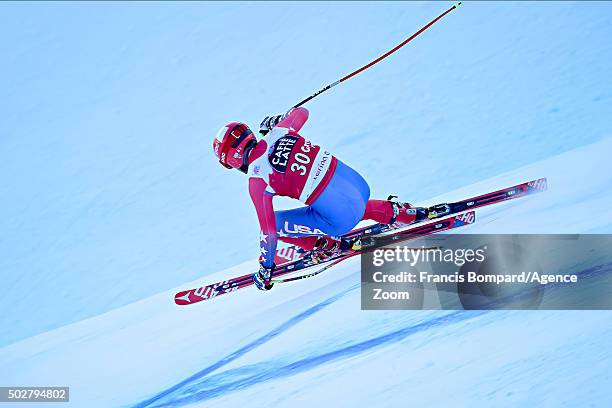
(268, 123)
(261, 278)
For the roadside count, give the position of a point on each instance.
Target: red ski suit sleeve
(294, 119)
(267, 223)
(262, 199)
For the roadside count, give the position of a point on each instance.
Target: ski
(292, 253)
(508, 193)
(335, 261)
(318, 271)
(207, 292)
(494, 197)
(299, 260)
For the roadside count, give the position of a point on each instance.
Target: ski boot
(325, 248)
(439, 210)
(405, 213)
(262, 277)
(328, 247)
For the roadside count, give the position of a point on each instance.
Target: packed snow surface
(112, 199)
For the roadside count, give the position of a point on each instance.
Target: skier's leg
(343, 202)
(301, 222)
(379, 210)
(336, 211)
(348, 186)
(306, 243)
(386, 212)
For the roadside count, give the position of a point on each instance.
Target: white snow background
(111, 198)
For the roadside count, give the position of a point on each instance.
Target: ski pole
(377, 60)
(315, 273)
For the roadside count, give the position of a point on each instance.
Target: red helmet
(232, 144)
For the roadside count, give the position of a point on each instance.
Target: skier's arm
(262, 200)
(294, 119)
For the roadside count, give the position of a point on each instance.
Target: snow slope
(109, 190)
(110, 196)
(309, 343)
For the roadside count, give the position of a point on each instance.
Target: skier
(286, 164)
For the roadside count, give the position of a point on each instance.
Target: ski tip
(540, 184)
(456, 5)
